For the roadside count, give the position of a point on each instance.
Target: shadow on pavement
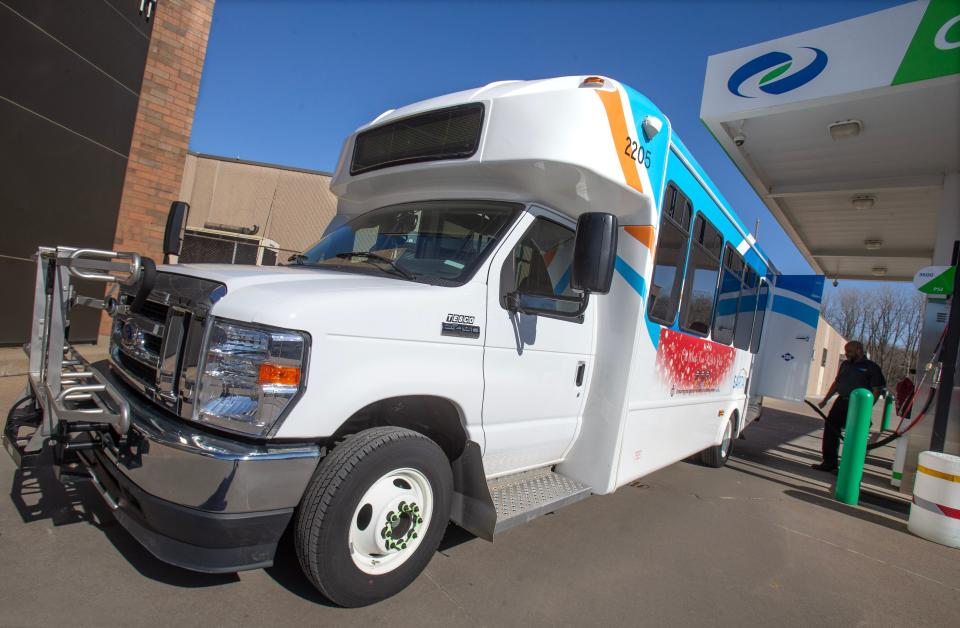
(770, 442)
(860, 513)
(37, 494)
(770, 452)
(779, 427)
(824, 499)
(287, 573)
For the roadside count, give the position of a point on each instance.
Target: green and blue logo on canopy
(775, 68)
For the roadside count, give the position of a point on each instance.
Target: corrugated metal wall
(290, 206)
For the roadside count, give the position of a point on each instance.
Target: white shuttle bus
(531, 293)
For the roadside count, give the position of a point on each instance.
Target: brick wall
(161, 135)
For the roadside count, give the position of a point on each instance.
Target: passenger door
(536, 368)
(789, 331)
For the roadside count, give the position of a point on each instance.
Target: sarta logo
(777, 72)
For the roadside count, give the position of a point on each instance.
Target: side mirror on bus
(173, 234)
(594, 253)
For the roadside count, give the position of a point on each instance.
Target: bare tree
(886, 320)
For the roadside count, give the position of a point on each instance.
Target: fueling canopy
(850, 134)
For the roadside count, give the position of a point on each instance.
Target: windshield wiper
(370, 257)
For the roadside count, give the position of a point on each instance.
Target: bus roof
(522, 152)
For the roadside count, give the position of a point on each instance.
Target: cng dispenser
(936, 366)
(935, 511)
(935, 315)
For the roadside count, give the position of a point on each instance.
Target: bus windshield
(436, 242)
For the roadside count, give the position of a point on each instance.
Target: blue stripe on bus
(796, 310)
(564, 282)
(727, 307)
(635, 281)
(809, 286)
(631, 276)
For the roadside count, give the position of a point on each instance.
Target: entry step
(524, 496)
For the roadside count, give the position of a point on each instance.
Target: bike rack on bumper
(193, 498)
(66, 395)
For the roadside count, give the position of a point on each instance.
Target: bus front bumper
(196, 499)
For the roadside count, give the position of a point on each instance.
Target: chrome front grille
(156, 347)
(154, 310)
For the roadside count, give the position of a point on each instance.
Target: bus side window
(746, 310)
(703, 269)
(762, 295)
(668, 265)
(731, 282)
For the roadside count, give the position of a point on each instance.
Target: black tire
(325, 514)
(718, 455)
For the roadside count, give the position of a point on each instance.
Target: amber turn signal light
(276, 374)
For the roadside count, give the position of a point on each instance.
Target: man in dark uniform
(856, 372)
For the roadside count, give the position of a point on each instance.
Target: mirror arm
(512, 301)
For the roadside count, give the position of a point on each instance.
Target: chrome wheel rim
(390, 521)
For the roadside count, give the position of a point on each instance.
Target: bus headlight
(251, 374)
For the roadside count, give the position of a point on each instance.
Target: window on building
(703, 269)
(823, 358)
(731, 281)
(670, 258)
(746, 309)
(542, 260)
(762, 296)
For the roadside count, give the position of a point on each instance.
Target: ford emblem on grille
(131, 336)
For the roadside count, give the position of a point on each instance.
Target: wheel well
(435, 417)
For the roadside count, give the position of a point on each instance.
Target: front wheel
(373, 515)
(718, 455)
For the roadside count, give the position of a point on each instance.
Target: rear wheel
(373, 515)
(718, 455)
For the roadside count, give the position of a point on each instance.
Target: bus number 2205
(637, 152)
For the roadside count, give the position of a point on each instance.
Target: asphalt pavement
(758, 543)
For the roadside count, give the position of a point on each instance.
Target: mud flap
(472, 508)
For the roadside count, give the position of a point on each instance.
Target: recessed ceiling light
(845, 129)
(879, 271)
(862, 202)
(873, 244)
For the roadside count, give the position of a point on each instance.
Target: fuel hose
(890, 438)
(907, 407)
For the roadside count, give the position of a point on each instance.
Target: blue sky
(286, 82)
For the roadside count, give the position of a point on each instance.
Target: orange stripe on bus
(618, 129)
(548, 256)
(642, 233)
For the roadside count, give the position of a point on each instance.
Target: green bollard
(887, 413)
(854, 447)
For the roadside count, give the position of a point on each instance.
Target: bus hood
(325, 302)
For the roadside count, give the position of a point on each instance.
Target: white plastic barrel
(935, 512)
